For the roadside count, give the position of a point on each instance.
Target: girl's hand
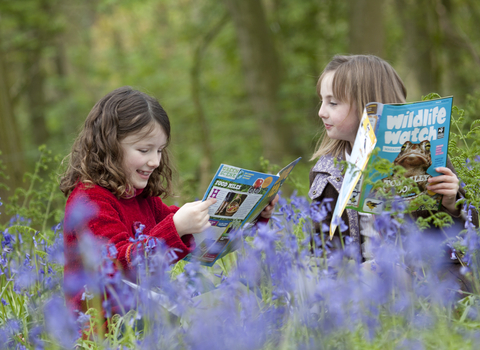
(447, 185)
(267, 212)
(193, 217)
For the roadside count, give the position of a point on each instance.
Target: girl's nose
(154, 161)
(321, 111)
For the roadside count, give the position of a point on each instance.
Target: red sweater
(113, 220)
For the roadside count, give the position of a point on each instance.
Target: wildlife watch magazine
(412, 135)
(241, 196)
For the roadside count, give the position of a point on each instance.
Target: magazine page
(414, 136)
(362, 148)
(241, 196)
(282, 176)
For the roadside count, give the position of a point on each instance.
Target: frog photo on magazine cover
(416, 159)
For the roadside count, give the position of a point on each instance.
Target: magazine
(241, 196)
(413, 135)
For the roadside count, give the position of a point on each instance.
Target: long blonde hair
(359, 79)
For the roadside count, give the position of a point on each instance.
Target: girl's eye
(333, 104)
(160, 151)
(142, 150)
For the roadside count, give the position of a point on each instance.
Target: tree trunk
(367, 27)
(262, 73)
(36, 96)
(207, 149)
(10, 144)
(423, 42)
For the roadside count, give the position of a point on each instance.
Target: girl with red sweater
(119, 168)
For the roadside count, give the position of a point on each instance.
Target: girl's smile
(142, 153)
(145, 174)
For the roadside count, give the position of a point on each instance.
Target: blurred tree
(367, 27)
(262, 73)
(10, 141)
(62, 56)
(462, 49)
(195, 72)
(308, 34)
(423, 40)
(29, 33)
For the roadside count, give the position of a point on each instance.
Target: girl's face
(142, 153)
(340, 118)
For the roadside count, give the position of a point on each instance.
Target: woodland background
(237, 77)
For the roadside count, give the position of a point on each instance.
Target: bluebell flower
(81, 214)
(337, 220)
(19, 220)
(277, 222)
(299, 202)
(398, 205)
(83, 320)
(34, 337)
(86, 295)
(7, 243)
(423, 320)
(59, 323)
(91, 250)
(320, 210)
(287, 210)
(468, 163)
(410, 344)
(138, 227)
(387, 226)
(57, 227)
(55, 252)
(25, 278)
(107, 307)
(265, 238)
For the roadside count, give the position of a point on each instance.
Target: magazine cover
(414, 136)
(361, 151)
(241, 196)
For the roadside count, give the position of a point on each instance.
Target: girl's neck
(134, 193)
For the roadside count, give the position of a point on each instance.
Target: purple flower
(59, 323)
(7, 243)
(337, 220)
(81, 214)
(26, 276)
(411, 344)
(320, 210)
(287, 210)
(87, 295)
(83, 320)
(398, 205)
(34, 336)
(264, 241)
(467, 161)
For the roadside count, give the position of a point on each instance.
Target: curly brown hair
(97, 157)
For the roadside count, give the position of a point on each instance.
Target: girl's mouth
(328, 126)
(144, 173)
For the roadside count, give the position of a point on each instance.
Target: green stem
(324, 250)
(32, 182)
(461, 134)
(49, 203)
